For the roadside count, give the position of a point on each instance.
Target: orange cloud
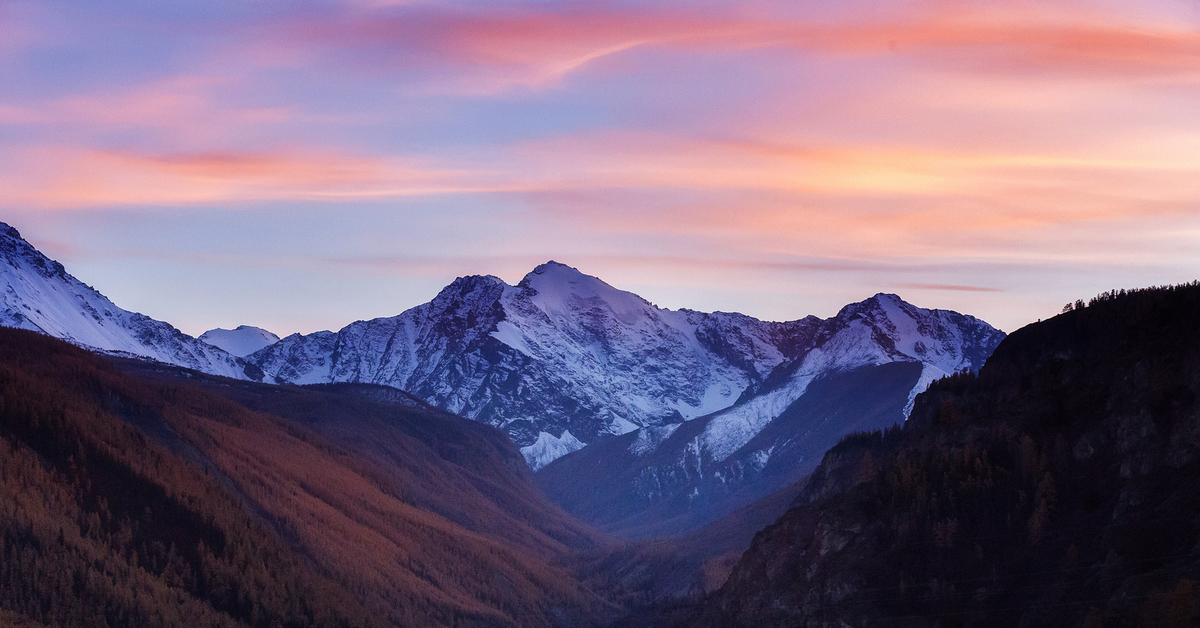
(853, 201)
(652, 160)
(63, 178)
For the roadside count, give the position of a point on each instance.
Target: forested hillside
(135, 501)
(1057, 488)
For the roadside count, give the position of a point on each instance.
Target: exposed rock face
(39, 295)
(562, 359)
(559, 359)
(856, 371)
(1057, 488)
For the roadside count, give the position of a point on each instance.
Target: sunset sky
(301, 165)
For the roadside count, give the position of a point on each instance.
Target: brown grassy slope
(284, 516)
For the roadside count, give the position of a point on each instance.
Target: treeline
(1123, 294)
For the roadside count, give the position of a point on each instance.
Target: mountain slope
(861, 372)
(140, 497)
(39, 295)
(1056, 488)
(562, 359)
(556, 361)
(102, 526)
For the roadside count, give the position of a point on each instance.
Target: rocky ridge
(562, 359)
(39, 295)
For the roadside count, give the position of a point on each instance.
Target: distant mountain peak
(470, 283)
(879, 301)
(240, 342)
(552, 265)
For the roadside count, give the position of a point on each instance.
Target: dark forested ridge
(142, 501)
(1056, 488)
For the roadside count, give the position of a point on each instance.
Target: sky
(301, 165)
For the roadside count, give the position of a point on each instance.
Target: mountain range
(863, 469)
(682, 416)
(558, 361)
(562, 360)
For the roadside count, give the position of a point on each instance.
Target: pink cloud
(184, 107)
(952, 288)
(56, 177)
(851, 200)
(538, 45)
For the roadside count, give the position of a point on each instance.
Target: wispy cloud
(539, 44)
(929, 144)
(938, 286)
(56, 177)
(181, 109)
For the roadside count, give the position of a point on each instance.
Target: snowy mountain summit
(857, 371)
(240, 342)
(563, 359)
(559, 361)
(39, 294)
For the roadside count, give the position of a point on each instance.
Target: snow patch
(621, 425)
(549, 448)
(929, 374)
(510, 335)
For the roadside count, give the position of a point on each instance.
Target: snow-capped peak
(240, 342)
(562, 290)
(37, 293)
(564, 352)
